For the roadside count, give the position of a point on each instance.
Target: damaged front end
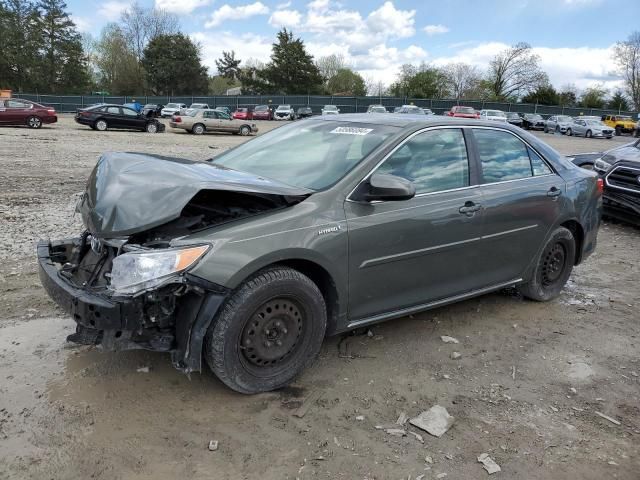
(125, 281)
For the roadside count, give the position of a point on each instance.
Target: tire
(101, 125)
(569, 132)
(245, 130)
(618, 131)
(34, 122)
(558, 130)
(553, 267)
(247, 359)
(198, 129)
(588, 134)
(152, 127)
(546, 130)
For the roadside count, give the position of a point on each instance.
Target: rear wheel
(197, 129)
(618, 131)
(553, 267)
(101, 125)
(569, 132)
(588, 134)
(34, 122)
(245, 130)
(558, 130)
(267, 332)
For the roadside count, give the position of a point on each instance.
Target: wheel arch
(577, 230)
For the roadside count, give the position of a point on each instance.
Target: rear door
(210, 120)
(408, 253)
(17, 111)
(113, 116)
(521, 198)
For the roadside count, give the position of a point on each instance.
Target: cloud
(285, 18)
(246, 45)
(227, 12)
(82, 24)
(113, 9)
(283, 6)
(388, 19)
(435, 29)
(181, 7)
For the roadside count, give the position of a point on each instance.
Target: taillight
(600, 186)
(177, 119)
(51, 111)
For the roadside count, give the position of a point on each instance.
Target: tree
(228, 66)
(627, 57)
(141, 25)
(594, 97)
(291, 69)
(515, 72)
(118, 70)
(218, 85)
(424, 81)
(329, 65)
(463, 79)
(543, 95)
(568, 96)
(19, 40)
(619, 102)
(63, 65)
(173, 66)
(346, 82)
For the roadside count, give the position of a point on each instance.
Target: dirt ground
(525, 390)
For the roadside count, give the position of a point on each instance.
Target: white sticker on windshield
(351, 130)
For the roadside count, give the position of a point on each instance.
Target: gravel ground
(525, 389)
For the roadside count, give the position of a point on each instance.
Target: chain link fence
(70, 103)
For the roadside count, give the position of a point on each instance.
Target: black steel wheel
(553, 267)
(268, 331)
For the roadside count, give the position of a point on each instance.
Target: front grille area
(626, 178)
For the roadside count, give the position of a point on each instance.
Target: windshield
(513, 115)
(284, 107)
(535, 117)
(564, 118)
(378, 109)
(260, 108)
(465, 110)
(594, 122)
(172, 105)
(495, 113)
(330, 107)
(192, 112)
(330, 150)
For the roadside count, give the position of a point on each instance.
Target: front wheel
(34, 122)
(152, 127)
(558, 132)
(618, 131)
(569, 132)
(267, 332)
(588, 134)
(245, 130)
(553, 267)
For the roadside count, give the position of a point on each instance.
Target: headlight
(601, 165)
(133, 272)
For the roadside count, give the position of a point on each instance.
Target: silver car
(590, 128)
(558, 124)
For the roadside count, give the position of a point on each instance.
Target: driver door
(412, 252)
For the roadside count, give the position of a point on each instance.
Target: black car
(304, 112)
(620, 169)
(533, 121)
(514, 119)
(152, 110)
(102, 117)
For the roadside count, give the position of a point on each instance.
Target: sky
(574, 38)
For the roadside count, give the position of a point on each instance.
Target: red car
(463, 112)
(262, 112)
(243, 114)
(14, 111)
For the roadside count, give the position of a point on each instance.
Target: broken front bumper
(131, 322)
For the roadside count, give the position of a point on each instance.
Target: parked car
(103, 117)
(637, 132)
(14, 111)
(284, 112)
(409, 110)
(226, 110)
(493, 115)
(243, 113)
(460, 111)
(533, 121)
(201, 121)
(152, 110)
(250, 260)
(590, 128)
(514, 119)
(200, 106)
(620, 123)
(620, 170)
(585, 160)
(171, 109)
(376, 109)
(262, 112)
(330, 110)
(558, 124)
(304, 112)
(428, 111)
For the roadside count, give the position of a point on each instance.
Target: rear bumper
(125, 322)
(50, 119)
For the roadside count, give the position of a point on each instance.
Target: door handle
(470, 208)
(554, 192)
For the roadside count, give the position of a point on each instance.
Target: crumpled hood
(627, 152)
(132, 192)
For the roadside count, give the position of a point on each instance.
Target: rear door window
(113, 110)
(503, 156)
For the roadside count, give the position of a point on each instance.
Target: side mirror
(384, 187)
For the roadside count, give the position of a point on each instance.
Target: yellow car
(621, 123)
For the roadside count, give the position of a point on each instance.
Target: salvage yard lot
(525, 389)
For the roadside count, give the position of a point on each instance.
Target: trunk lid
(129, 193)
